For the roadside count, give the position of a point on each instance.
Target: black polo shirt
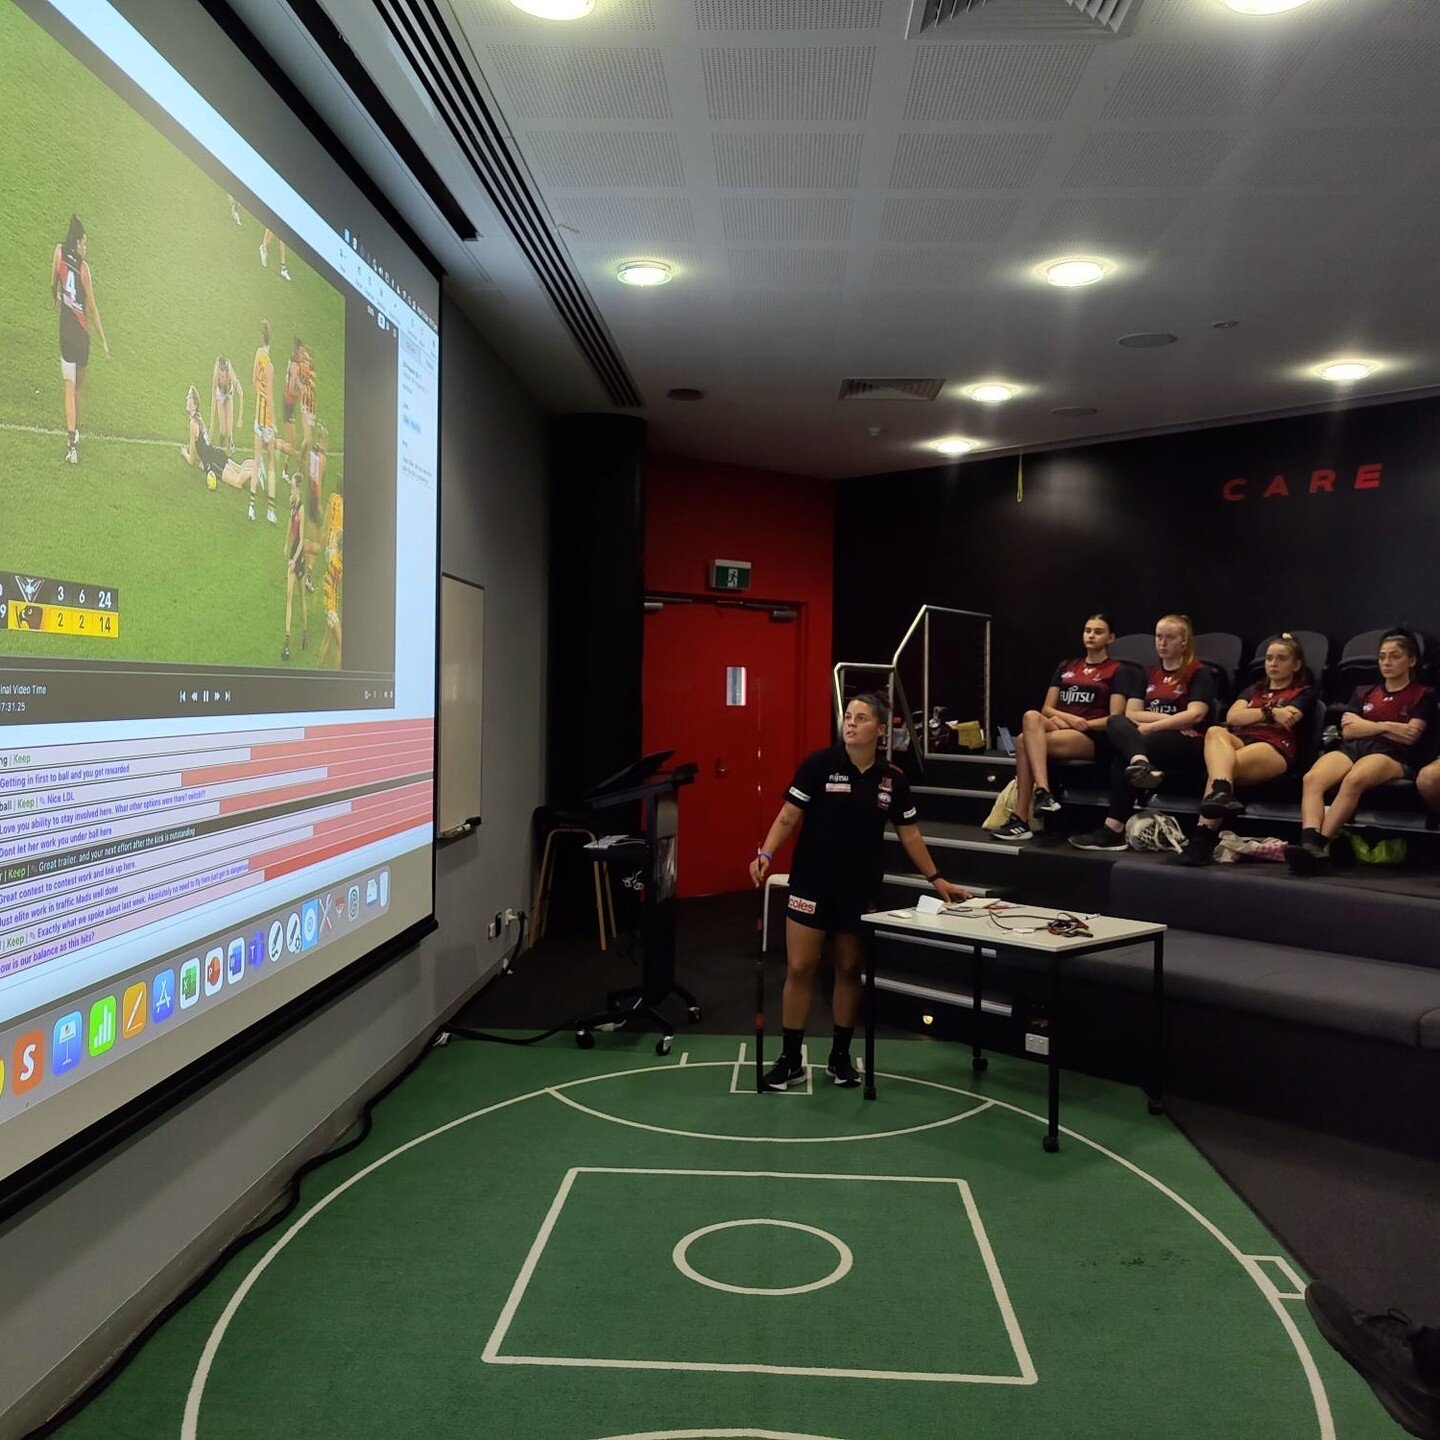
(840, 852)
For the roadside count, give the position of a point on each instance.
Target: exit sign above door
(729, 574)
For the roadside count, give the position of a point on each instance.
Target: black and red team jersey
(68, 274)
(1375, 702)
(1085, 689)
(1258, 695)
(1168, 692)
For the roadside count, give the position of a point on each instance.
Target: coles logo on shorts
(801, 907)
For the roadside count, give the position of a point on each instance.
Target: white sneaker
(264, 257)
(270, 515)
(250, 513)
(284, 273)
(235, 214)
(72, 456)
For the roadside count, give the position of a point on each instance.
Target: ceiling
(840, 200)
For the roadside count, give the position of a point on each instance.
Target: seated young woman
(1161, 730)
(1070, 725)
(1381, 730)
(1258, 742)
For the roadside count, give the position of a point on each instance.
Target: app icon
(102, 1025)
(327, 917)
(214, 970)
(190, 982)
(134, 1010)
(2, 1076)
(372, 891)
(65, 1043)
(384, 888)
(275, 941)
(255, 950)
(310, 924)
(29, 1061)
(292, 933)
(235, 961)
(352, 906)
(162, 996)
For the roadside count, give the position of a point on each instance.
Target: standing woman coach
(846, 794)
(74, 295)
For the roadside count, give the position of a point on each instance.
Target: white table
(1014, 931)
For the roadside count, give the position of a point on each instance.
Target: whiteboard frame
(452, 827)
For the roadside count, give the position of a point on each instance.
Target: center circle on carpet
(842, 1266)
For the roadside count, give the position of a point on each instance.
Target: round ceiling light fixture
(991, 392)
(953, 445)
(1264, 7)
(1072, 271)
(644, 273)
(555, 9)
(1148, 340)
(1345, 372)
(1076, 411)
(684, 392)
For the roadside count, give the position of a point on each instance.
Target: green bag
(1389, 851)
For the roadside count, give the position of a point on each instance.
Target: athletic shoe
(284, 273)
(1220, 803)
(1381, 1348)
(270, 514)
(235, 214)
(309, 583)
(285, 653)
(72, 456)
(1044, 802)
(1310, 856)
(1200, 847)
(841, 1069)
(1142, 775)
(1102, 839)
(250, 511)
(264, 257)
(1013, 829)
(783, 1074)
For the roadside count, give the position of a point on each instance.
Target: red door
(746, 752)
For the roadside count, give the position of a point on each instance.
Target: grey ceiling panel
(1144, 159)
(819, 82)
(801, 221)
(591, 82)
(1383, 77)
(591, 219)
(1202, 79)
(788, 265)
(948, 220)
(928, 268)
(786, 307)
(784, 161)
(593, 160)
(790, 15)
(1123, 220)
(994, 82)
(967, 161)
(1333, 156)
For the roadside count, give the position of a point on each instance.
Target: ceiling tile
(783, 161)
(781, 307)
(788, 265)
(1136, 159)
(748, 218)
(1382, 77)
(1189, 78)
(591, 82)
(967, 161)
(612, 15)
(994, 82)
(1125, 220)
(606, 219)
(788, 14)
(1333, 156)
(949, 220)
(929, 268)
(594, 160)
(818, 82)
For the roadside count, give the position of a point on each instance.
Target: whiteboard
(462, 692)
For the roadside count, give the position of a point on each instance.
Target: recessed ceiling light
(953, 445)
(1264, 7)
(1148, 340)
(644, 272)
(1343, 372)
(684, 392)
(1076, 410)
(1075, 270)
(991, 393)
(555, 9)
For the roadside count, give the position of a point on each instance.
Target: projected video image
(172, 397)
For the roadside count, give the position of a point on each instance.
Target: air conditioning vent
(890, 389)
(980, 17)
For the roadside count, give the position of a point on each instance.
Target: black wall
(1141, 527)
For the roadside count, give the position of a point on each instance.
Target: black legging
(1168, 750)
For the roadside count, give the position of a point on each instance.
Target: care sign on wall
(1299, 483)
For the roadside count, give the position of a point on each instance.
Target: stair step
(919, 882)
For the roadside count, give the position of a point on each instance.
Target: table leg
(1156, 1104)
(870, 1014)
(978, 1061)
(1051, 1142)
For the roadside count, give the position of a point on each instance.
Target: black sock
(793, 1041)
(1314, 837)
(840, 1045)
(1220, 787)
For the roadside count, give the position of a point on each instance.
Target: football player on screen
(73, 292)
(262, 373)
(227, 403)
(334, 578)
(214, 463)
(295, 567)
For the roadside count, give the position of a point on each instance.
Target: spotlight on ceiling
(644, 272)
(953, 446)
(555, 9)
(991, 393)
(1264, 7)
(1075, 270)
(1345, 372)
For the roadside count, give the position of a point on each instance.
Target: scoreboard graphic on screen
(59, 607)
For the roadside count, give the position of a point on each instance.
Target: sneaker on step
(1199, 848)
(784, 1073)
(1102, 839)
(1310, 856)
(1142, 775)
(1014, 829)
(1220, 804)
(1044, 801)
(841, 1069)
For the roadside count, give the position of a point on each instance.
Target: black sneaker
(1142, 775)
(1221, 803)
(1379, 1347)
(1013, 829)
(1102, 839)
(841, 1069)
(1310, 856)
(1044, 802)
(784, 1073)
(1199, 848)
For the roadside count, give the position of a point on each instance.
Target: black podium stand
(651, 859)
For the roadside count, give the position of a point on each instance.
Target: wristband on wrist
(931, 879)
(763, 855)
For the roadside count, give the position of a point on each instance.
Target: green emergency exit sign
(729, 574)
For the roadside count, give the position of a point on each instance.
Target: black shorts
(1355, 751)
(834, 915)
(74, 341)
